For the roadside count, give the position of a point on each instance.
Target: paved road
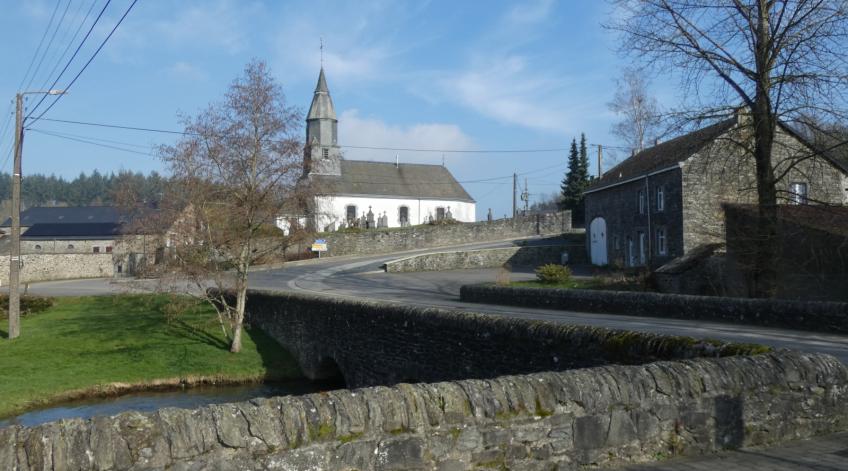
(362, 278)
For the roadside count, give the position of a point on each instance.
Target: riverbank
(104, 346)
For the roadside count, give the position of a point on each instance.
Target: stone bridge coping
(562, 405)
(460, 250)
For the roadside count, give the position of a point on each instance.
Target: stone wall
(487, 258)
(831, 317)
(373, 343)
(619, 206)
(566, 420)
(46, 267)
(379, 241)
(722, 173)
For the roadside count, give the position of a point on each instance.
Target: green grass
(82, 345)
(582, 283)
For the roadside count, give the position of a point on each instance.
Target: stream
(149, 401)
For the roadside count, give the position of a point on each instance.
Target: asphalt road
(362, 278)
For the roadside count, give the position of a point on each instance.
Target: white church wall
(333, 209)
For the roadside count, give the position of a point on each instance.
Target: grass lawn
(87, 343)
(582, 283)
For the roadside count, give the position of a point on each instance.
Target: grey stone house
(666, 200)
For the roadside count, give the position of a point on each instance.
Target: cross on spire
(322, 52)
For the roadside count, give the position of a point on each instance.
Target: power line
(71, 60)
(49, 45)
(70, 42)
(85, 141)
(59, 97)
(116, 126)
(40, 43)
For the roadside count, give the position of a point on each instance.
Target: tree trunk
(764, 124)
(241, 298)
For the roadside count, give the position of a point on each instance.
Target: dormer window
(325, 152)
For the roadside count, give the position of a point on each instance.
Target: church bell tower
(322, 154)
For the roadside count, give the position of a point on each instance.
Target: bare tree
(782, 60)
(640, 114)
(234, 172)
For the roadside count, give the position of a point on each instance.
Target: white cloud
(505, 90)
(357, 130)
(528, 13)
(222, 23)
(186, 70)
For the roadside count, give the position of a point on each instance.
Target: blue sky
(421, 74)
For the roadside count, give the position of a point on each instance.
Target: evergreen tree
(576, 180)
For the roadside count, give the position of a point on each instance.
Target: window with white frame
(641, 198)
(662, 247)
(660, 198)
(798, 193)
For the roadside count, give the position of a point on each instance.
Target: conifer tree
(576, 180)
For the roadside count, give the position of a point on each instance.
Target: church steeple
(323, 155)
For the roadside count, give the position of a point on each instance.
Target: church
(367, 194)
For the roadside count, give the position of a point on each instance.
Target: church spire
(322, 104)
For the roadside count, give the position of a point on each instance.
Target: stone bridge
(513, 394)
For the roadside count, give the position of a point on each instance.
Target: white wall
(333, 209)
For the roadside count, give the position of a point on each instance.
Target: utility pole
(525, 196)
(15, 254)
(514, 190)
(15, 239)
(600, 156)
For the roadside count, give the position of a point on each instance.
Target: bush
(29, 304)
(553, 274)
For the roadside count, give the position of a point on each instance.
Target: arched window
(350, 213)
(403, 216)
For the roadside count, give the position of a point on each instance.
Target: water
(149, 401)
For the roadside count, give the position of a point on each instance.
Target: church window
(350, 213)
(440, 214)
(325, 153)
(403, 216)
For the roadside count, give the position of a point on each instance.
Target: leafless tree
(781, 60)
(234, 172)
(639, 112)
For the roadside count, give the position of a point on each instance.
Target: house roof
(662, 155)
(97, 230)
(360, 177)
(69, 215)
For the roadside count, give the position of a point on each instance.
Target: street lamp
(15, 251)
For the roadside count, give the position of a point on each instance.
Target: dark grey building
(667, 200)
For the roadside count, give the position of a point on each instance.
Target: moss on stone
(350, 437)
(541, 411)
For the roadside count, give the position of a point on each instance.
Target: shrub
(553, 274)
(29, 304)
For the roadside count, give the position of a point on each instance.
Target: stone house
(666, 200)
(370, 194)
(78, 242)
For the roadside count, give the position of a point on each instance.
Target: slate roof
(360, 177)
(97, 230)
(68, 215)
(662, 155)
(322, 103)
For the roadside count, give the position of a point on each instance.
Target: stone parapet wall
(485, 258)
(566, 420)
(379, 241)
(47, 267)
(830, 317)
